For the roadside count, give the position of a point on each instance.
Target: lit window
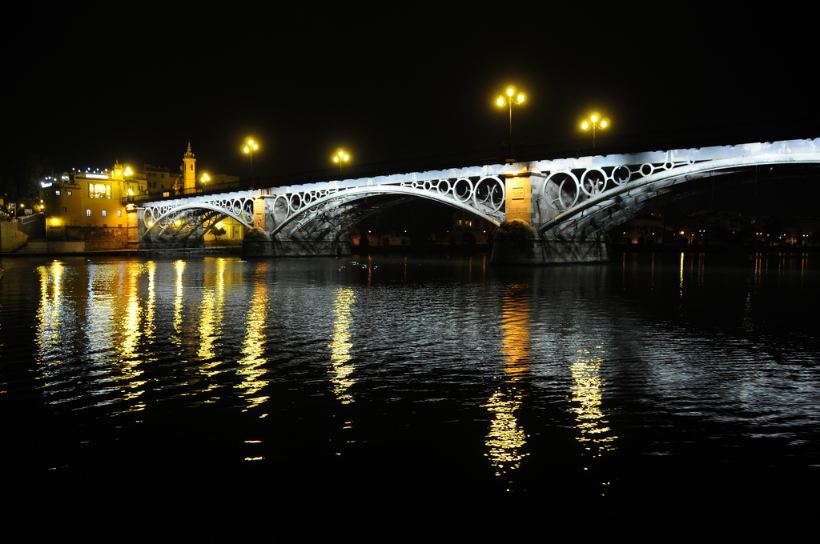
(105, 213)
(99, 190)
(119, 213)
(57, 192)
(88, 213)
(68, 193)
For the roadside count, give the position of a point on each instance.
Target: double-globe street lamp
(340, 157)
(510, 97)
(594, 122)
(248, 148)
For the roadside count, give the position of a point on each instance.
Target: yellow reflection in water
(210, 322)
(179, 266)
(681, 274)
(150, 305)
(131, 331)
(252, 363)
(587, 394)
(506, 438)
(340, 345)
(49, 313)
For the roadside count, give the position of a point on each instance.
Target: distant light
(585, 125)
(500, 101)
(594, 117)
(604, 123)
(510, 91)
(521, 98)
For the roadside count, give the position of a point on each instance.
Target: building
(160, 180)
(91, 199)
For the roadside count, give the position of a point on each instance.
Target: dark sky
(85, 86)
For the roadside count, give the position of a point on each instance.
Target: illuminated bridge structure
(570, 204)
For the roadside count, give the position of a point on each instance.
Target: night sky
(85, 87)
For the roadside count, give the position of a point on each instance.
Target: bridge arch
(598, 210)
(242, 212)
(483, 198)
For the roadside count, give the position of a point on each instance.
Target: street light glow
(595, 121)
(508, 101)
(248, 148)
(341, 157)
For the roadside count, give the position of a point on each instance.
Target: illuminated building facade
(91, 199)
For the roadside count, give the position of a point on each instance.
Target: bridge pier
(515, 242)
(258, 247)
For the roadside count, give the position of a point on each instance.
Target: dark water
(402, 395)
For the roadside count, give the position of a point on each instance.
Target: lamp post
(507, 99)
(204, 178)
(248, 148)
(340, 158)
(594, 122)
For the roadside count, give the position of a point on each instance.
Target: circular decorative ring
(621, 174)
(446, 184)
(593, 181)
(647, 169)
(463, 189)
(489, 191)
(281, 207)
(565, 190)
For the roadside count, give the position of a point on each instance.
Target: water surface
(388, 391)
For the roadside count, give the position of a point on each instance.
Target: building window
(105, 213)
(88, 213)
(99, 190)
(68, 193)
(119, 214)
(56, 192)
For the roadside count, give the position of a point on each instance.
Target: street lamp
(248, 148)
(594, 122)
(204, 178)
(507, 99)
(340, 158)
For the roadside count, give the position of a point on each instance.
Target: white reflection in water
(252, 363)
(506, 438)
(340, 365)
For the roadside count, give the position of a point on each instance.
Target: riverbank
(163, 252)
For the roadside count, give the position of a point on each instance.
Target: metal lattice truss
(571, 196)
(575, 192)
(185, 216)
(297, 207)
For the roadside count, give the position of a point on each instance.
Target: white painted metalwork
(562, 188)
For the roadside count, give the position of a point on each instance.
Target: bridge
(565, 207)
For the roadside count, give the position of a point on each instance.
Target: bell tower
(189, 171)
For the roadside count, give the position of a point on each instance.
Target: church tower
(189, 171)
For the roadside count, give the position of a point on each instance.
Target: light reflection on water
(506, 438)
(341, 367)
(252, 364)
(599, 361)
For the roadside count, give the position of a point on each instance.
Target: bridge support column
(325, 239)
